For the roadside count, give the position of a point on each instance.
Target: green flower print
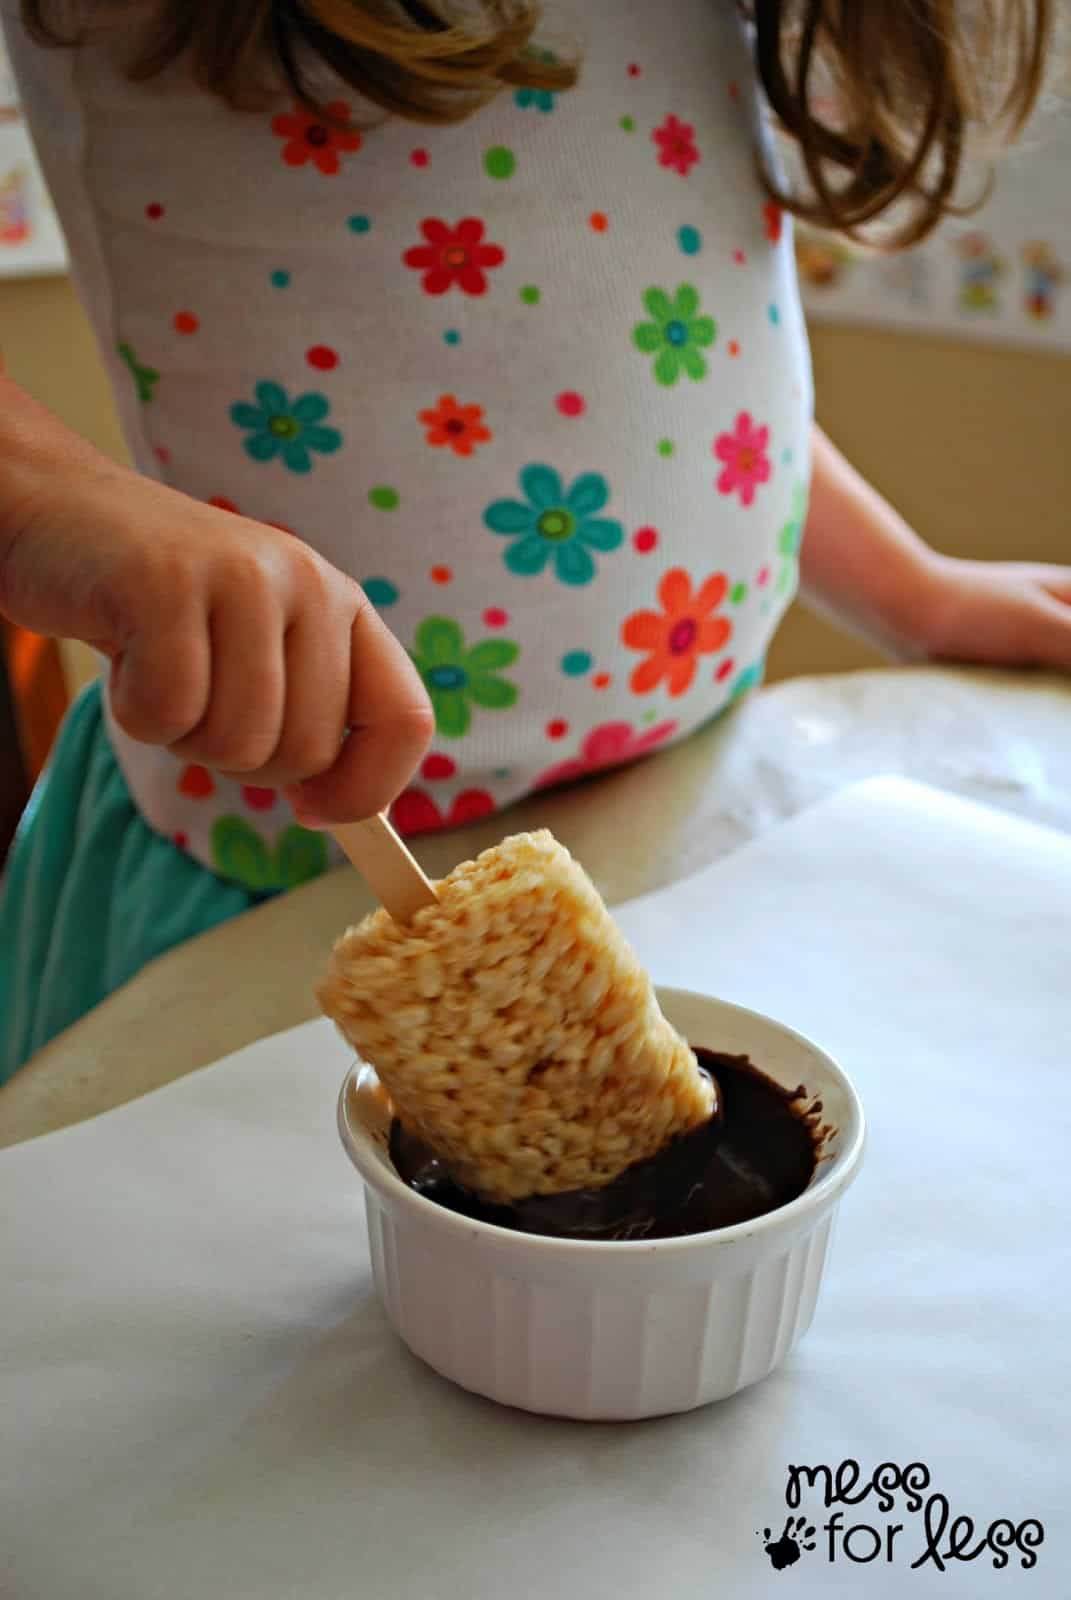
(455, 675)
(555, 524)
(789, 541)
(240, 853)
(290, 428)
(677, 335)
(145, 378)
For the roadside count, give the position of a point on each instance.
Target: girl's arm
(232, 643)
(862, 564)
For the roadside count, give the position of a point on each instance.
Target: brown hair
(407, 56)
(879, 95)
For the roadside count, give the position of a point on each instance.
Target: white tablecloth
(201, 1397)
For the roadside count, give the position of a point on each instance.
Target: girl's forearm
(41, 461)
(861, 563)
(22, 462)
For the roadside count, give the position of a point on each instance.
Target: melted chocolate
(759, 1155)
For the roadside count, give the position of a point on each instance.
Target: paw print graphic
(797, 1536)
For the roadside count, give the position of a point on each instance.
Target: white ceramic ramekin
(617, 1329)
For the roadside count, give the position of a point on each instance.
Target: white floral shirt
(539, 382)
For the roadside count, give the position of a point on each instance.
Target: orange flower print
(460, 427)
(679, 634)
(310, 139)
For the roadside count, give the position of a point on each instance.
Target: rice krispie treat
(514, 1029)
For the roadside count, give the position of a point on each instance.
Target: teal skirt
(91, 893)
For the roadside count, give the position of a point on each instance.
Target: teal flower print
(789, 541)
(145, 378)
(677, 334)
(542, 99)
(279, 426)
(555, 524)
(749, 679)
(458, 677)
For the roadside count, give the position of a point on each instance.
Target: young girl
(461, 360)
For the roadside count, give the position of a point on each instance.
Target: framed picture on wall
(30, 237)
(1001, 275)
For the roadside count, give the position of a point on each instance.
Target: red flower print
(746, 463)
(460, 427)
(258, 799)
(679, 634)
(611, 745)
(676, 145)
(310, 139)
(454, 256)
(773, 218)
(196, 782)
(414, 811)
(221, 503)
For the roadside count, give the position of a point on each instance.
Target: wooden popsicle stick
(384, 862)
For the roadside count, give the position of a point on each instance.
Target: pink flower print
(676, 145)
(746, 463)
(610, 745)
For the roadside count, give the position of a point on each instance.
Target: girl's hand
(865, 566)
(231, 643)
(1001, 613)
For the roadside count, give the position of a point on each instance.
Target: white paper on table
(201, 1396)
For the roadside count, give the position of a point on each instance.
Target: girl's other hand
(864, 565)
(1001, 613)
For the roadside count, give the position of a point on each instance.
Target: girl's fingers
(315, 714)
(390, 723)
(1051, 632)
(244, 716)
(1056, 581)
(161, 681)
